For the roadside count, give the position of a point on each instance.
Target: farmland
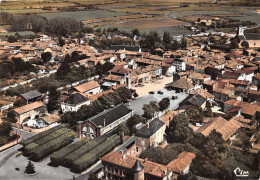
(150, 24)
(127, 15)
(83, 15)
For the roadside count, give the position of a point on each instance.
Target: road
(24, 134)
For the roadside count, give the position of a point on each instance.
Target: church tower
(138, 170)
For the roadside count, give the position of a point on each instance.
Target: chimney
(147, 125)
(104, 122)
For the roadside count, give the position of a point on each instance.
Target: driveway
(137, 104)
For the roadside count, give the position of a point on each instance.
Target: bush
(95, 154)
(41, 135)
(53, 145)
(83, 150)
(58, 157)
(28, 148)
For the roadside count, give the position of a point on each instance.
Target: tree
(234, 43)
(61, 42)
(5, 129)
(29, 169)
(63, 70)
(70, 118)
(11, 116)
(11, 39)
(124, 93)
(179, 130)
(46, 57)
(245, 44)
(164, 104)
(166, 37)
(194, 113)
(225, 174)
(134, 120)
(183, 43)
(136, 32)
(150, 109)
(135, 95)
(53, 103)
(122, 130)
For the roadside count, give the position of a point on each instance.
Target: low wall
(33, 130)
(12, 143)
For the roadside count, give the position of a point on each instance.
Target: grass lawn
(22, 33)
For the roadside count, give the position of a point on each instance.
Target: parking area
(137, 104)
(155, 85)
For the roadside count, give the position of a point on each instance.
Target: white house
(180, 65)
(74, 102)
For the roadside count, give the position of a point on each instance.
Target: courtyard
(137, 104)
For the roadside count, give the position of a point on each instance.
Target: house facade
(104, 122)
(74, 102)
(151, 134)
(29, 111)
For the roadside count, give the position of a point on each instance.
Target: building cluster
(229, 82)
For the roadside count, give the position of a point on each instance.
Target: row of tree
(57, 26)
(8, 69)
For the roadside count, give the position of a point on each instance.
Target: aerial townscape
(129, 90)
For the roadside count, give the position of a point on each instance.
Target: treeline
(16, 66)
(57, 26)
(152, 41)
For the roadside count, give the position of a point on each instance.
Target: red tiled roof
(183, 161)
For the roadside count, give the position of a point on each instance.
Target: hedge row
(28, 148)
(53, 145)
(83, 150)
(41, 135)
(95, 154)
(57, 157)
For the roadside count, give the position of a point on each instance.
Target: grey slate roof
(110, 115)
(252, 36)
(138, 167)
(196, 100)
(31, 95)
(122, 47)
(76, 98)
(154, 125)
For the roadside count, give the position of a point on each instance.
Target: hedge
(58, 156)
(42, 134)
(45, 139)
(53, 145)
(68, 160)
(95, 154)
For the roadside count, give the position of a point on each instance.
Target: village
(89, 110)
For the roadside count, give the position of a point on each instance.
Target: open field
(22, 33)
(148, 24)
(83, 15)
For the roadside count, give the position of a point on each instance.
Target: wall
(115, 124)
(70, 107)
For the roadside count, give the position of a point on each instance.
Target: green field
(22, 33)
(84, 15)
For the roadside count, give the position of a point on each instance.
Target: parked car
(174, 97)
(199, 124)
(160, 92)
(151, 92)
